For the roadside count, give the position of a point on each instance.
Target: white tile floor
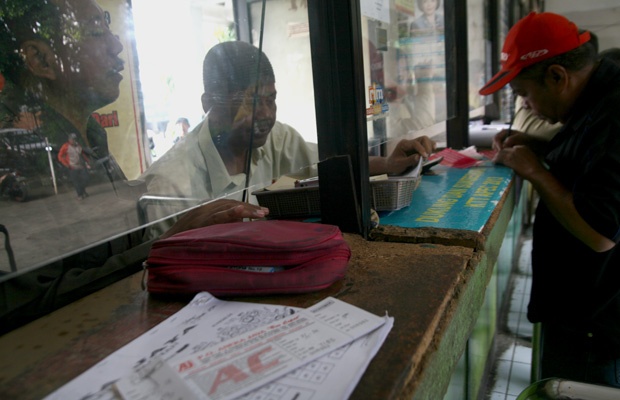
(514, 343)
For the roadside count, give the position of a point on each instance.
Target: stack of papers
(214, 349)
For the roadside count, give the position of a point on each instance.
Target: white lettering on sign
(534, 54)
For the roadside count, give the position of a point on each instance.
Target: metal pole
(48, 148)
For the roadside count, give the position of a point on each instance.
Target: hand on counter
(220, 211)
(406, 154)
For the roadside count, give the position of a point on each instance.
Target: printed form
(214, 349)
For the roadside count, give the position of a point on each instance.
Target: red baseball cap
(534, 38)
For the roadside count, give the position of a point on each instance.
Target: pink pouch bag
(249, 258)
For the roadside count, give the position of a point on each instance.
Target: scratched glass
(127, 79)
(406, 85)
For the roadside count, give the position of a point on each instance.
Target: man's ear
(556, 76)
(39, 58)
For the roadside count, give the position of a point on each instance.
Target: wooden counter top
(431, 279)
(420, 285)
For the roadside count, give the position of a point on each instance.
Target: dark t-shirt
(572, 284)
(57, 129)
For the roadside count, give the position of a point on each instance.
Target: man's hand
(219, 211)
(522, 160)
(406, 154)
(506, 139)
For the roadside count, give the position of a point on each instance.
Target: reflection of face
(537, 97)
(264, 116)
(89, 63)
(429, 7)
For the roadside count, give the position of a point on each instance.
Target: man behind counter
(575, 256)
(42, 57)
(211, 161)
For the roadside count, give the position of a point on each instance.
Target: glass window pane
(405, 71)
(156, 130)
(477, 48)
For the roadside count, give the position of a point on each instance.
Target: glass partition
(110, 121)
(477, 49)
(117, 115)
(405, 69)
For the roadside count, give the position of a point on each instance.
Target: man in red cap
(575, 258)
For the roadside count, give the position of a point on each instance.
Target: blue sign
(453, 198)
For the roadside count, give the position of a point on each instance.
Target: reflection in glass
(476, 56)
(127, 109)
(80, 68)
(63, 70)
(239, 143)
(85, 68)
(405, 53)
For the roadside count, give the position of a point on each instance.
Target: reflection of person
(211, 161)
(426, 45)
(576, 280)
(181, 127)
(65, 59)
(430, 20)
(412, 99)
(72, 156)
(53, 67)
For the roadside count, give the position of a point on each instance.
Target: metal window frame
(337, 58)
